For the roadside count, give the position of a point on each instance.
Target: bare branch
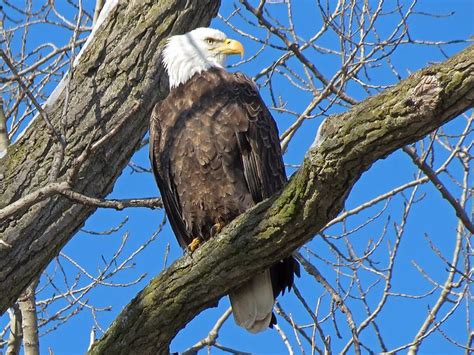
(4, 142)
(27, 305)
(16, 333)
(310, 269)
(211, 338)
(431, 174)
(30, 95)
(98, 8)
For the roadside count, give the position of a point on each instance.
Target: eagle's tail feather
(252, 303)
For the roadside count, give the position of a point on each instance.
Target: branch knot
(425, 96)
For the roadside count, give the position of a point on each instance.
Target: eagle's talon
(217, 228)
(194, 244)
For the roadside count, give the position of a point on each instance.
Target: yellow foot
(216, 228)
(194, 244)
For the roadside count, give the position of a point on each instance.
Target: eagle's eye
(210, 41)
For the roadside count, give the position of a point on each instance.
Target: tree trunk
(348, 144)
(113, 88)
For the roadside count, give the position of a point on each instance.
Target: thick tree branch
(348, 144)
(114, 86)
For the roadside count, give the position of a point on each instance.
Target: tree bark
(347, 145)
(113, 88)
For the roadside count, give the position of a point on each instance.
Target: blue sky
(432, 216)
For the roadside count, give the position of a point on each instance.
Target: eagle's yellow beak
(231, 46)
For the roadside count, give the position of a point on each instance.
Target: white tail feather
(252, 303)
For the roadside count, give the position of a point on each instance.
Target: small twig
(108, 231)
(431, 174)
(317, 326)
(284, 338)
(294, 47)
(30, 95)
(310, 269)
(447, 287)
(211, 338)
(281, 312)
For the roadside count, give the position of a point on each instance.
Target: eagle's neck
(182, 62)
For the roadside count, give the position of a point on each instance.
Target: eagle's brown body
(215, 153)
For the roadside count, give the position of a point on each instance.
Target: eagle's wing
(262, 160)
(166, 184)
(258, 140)
(264, 171)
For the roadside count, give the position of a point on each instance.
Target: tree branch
(310, 269)
(30, 95)
(431, 174)
(16, 334)
(3, 132)
(347, 145)
(211, 338)
(98, 7)
(27, 304)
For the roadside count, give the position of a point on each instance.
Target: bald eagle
(215, 152)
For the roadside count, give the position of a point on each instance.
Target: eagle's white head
(196, 51)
